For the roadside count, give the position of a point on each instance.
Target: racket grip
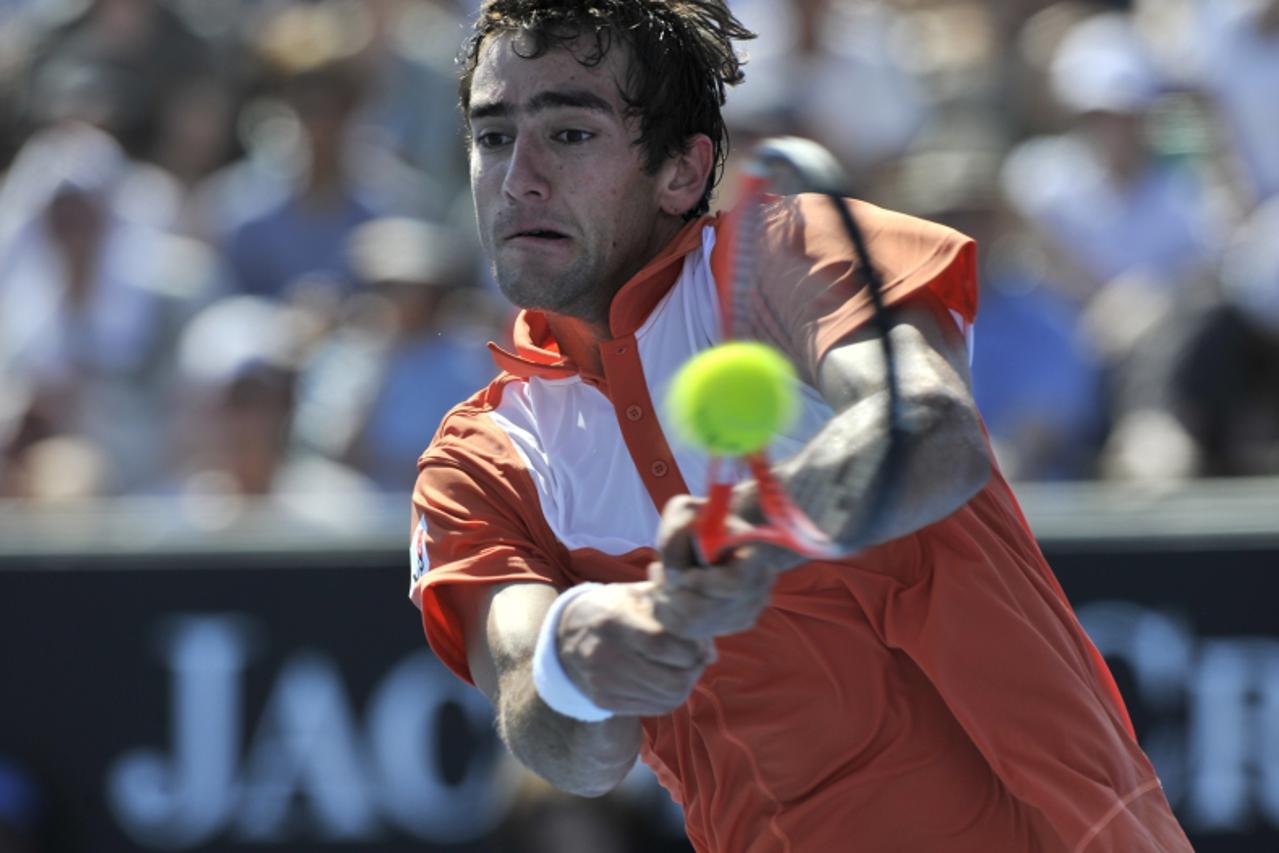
(710, 534)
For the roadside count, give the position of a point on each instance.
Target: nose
(526, 173)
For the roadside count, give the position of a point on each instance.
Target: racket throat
(711, 540)
(786, 525)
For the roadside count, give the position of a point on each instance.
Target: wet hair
(681, 62)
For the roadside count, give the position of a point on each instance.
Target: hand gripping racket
(809, 168)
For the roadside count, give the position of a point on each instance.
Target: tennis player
(933, 693)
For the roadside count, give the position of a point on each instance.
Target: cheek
(484, 192)
(478, 176)
(624, 197)
(635, 210)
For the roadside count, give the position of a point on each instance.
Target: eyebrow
(579, 99)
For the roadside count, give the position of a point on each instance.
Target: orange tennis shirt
(935, 693)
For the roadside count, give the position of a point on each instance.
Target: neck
(325, 176)
(579, 341)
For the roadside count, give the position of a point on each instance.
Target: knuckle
(679, 504)
(667, 618)
(688, 657)
(677, 651)
(593, 690)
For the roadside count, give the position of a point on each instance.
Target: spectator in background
(134, 69)
(1225, 380)
(1206, 402)
(313, 52)
(90, 300)
(238, 360)
(193, 132)
(413, 103)
(396, 148)
(1239, 45)
(1135, 237)
(827, 71)
(1036, 382)
(129, 56)
(1098, 193)
(413, 347)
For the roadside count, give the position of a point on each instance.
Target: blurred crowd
(238, 259)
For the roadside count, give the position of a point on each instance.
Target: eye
(491, 139)
(573, 137)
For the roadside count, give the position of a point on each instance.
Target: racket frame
(786, 524)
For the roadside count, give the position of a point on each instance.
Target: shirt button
(634, 413)
(621, 349)
(659, 468)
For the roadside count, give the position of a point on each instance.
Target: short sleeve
(811, 295)
(476, 523)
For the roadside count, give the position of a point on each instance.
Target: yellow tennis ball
(733, 398)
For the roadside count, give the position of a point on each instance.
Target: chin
(528, 294)
(555, 291)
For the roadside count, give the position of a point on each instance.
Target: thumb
(677, 533)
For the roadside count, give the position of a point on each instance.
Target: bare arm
(613, 649)
(587, 759)
(945, 461)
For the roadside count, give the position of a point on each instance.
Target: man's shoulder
(815, 211)
(806, 255)
(467, 432)
(809, 226)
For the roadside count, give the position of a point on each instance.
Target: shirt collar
(538, 353)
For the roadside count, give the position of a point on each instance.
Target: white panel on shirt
(567, 434)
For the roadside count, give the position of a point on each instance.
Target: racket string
(745, 260)
(800, 512)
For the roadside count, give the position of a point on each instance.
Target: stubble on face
(595, 196)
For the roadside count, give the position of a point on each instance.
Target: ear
(681, 181)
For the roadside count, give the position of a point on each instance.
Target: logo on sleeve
(418, 562)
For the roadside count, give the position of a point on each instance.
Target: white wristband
(549, 677)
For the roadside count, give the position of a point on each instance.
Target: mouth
(537, 234)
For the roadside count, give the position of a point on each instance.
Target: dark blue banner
(237, 704)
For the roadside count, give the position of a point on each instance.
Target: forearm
(616, 656)
(587, 759)
(837, 478)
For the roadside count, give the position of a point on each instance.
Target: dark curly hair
(681, 61)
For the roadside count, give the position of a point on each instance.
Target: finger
(646, 688)
(676, 532)
(773, 559)
(658, 574)
(746, 578)
(667, 649)
(695, 616)
(741, 618)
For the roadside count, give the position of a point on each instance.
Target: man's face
(566, 211)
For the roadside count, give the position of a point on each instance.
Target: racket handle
(710, 539)
(786, 525)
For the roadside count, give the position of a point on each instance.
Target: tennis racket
(791, 164)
